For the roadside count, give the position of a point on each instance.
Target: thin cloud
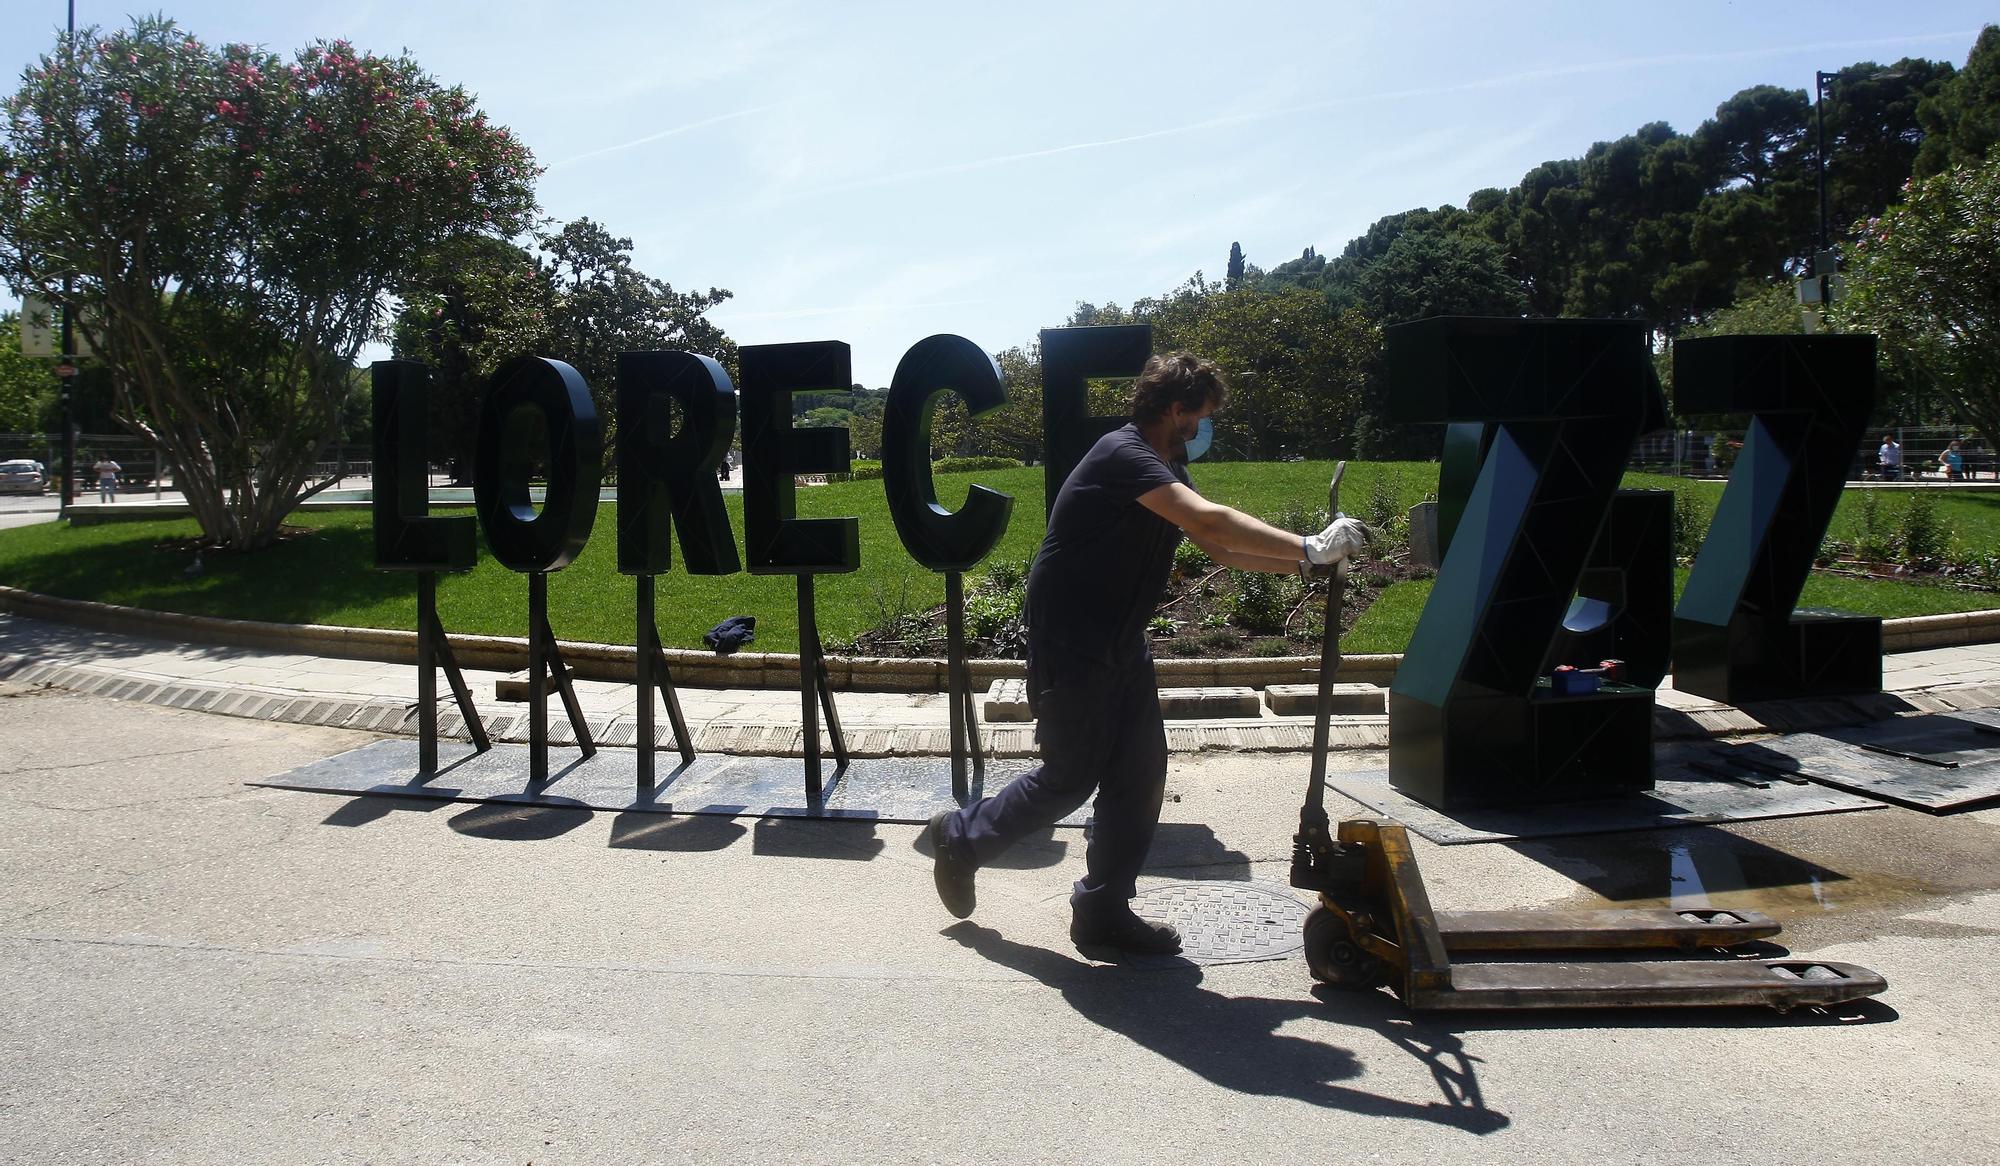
(1483, 83)
(689, 128)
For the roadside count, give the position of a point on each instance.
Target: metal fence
(141, 467)
(1692, 453)
(1709, 453)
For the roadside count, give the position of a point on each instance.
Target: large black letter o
(522, 539)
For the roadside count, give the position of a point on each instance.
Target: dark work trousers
(1099, 728)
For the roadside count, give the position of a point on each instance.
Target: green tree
(577, 299)
(474, 303)
(824, 417)
(1439, 273)
(864, 435)
(601, 305)
(1926, 279)
(1295, 366)
(1757, 221)
(234, 221)
(1306, 271)
(27, 384)
(1015, 428)
(1961, 120)
(1874, 133)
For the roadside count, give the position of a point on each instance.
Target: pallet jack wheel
(1335, 959)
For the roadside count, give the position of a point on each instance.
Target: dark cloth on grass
(731, 634)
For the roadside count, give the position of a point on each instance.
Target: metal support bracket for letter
(434, 652)
(545, 661)
(965, 751)
(816, 693)
(653, 673)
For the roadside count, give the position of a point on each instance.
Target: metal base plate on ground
(893, 789)
(1936, 763)
(1681, 796)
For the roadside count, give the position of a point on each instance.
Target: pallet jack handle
(1312, 816)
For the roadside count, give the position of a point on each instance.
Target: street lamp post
(67, 368)
(1824, 253)
(1821, 286)
(1819, 120)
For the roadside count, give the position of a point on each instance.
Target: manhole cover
(1226, 923)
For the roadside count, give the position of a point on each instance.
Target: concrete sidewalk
(202, 971)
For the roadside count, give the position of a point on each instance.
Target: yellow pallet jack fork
(1375, 924)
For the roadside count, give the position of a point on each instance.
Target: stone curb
(614, 662)
(785, 739)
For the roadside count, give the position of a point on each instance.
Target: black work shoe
(952, 874)
(1125, 932)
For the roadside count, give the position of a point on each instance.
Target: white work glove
(1343, 539)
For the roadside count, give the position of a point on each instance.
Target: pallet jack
(1375, 925)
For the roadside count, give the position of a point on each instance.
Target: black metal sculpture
(540, 542)
(407, 538)
(776, 540)
(667, 479)
(1737, 637)
(1071, 359)
(940, 539)
(1473, 720)
(1624, 605)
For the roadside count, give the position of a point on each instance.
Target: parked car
(22, 477)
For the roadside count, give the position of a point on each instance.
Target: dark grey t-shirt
(1104, 562)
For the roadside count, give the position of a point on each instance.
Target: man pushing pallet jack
(1101, 569)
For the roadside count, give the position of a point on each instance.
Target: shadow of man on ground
(1234, 1042)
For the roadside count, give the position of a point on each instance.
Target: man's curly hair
(1172, 377)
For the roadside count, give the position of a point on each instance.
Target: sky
(878, 173)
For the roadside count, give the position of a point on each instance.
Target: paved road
(28, 509)
(203, 971)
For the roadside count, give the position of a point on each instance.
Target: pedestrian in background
(1889, 458)
(1952, 462)
(107, 479)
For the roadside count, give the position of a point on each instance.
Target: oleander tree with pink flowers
(1926, 280)
(235, 223)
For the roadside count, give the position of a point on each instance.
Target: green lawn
(1972, 516)
(1387, 624)
(324, 577)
